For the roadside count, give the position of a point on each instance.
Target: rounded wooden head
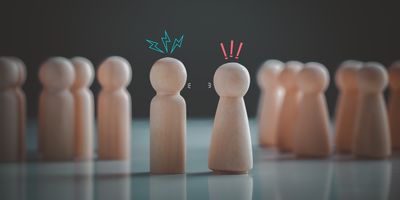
(394, 75)
(9, 73)
(168, 75)
(289, 73)
(372, 78)
(57, 73)
(114, 73)
(313, 78)
(84, 72)
(22, 68)
(231, 80)
(268, 73)
(346, 75)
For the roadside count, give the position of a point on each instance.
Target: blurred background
(324, 31)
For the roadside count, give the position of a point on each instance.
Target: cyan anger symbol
(165, 40)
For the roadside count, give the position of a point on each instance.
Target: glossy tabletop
(274, 176)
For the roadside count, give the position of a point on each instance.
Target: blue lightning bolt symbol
(177, 43)
(153, 46)
(165, 40)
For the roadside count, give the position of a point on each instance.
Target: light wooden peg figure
(10, 115)
(290, 105)
(311, 138)
(270, 101)
(84, 108)
(230, 148)
(22, 107)
(114, 109)
(346, 81)
(372, 134)
(394, 104)
(56, 110)
(168, 117)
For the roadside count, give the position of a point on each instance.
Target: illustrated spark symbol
(177, 43)
(223, 50)
(153, 46)
(238, 52)
(231, 50)
(165, 40)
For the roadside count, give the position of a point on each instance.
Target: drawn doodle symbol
(177, 43)
(153, 46)
(165, 41)
(231, 50)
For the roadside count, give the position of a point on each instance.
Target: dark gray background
(324, 31)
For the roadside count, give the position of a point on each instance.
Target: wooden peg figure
(56, 110)
(290, 105)
(346, 81)
(270, 102)
(84, 108)
(311, 138)
(230, 148)
(394, 104)
(168, 117)
(10, 115)
(372, 134)
(114, 109)
(22, 107)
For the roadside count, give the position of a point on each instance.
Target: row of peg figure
(293, 116)
(66, 114)
(66, 108)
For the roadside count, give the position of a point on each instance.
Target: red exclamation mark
(231, 52)
(238, 52)
(223, 50)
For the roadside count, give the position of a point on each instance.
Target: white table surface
(274, 176)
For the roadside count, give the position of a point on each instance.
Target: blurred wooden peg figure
(22, 107)
(114, 109)
(346, 109)
(270, 101)
(290, 106)
(372, 134)
(311, 138)
(56, 110)
(394, 104)
(13, 109)
(84, 108)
